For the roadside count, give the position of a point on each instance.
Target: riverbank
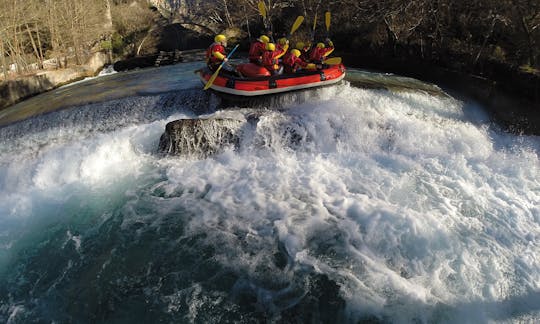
(24, 87)
(21, 88)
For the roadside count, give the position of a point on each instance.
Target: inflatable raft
(257, 81)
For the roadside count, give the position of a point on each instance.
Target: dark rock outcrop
(173, 40)
(135, 62)
(175, 37)
(200, 138)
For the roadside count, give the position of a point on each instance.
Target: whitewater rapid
(386, 207)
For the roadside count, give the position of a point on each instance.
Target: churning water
(385, 207)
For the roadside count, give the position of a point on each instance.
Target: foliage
(55, 32)
(117, 43)
(441, 30)
(106, 45)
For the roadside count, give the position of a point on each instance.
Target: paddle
(296, 24)
(314, 26)
(262, 11)
(327, 18)
(333, 61)
(214, 76)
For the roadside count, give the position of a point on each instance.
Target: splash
(352, 205)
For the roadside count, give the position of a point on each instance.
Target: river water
(392, 205)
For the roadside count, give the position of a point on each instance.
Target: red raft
(257, 80)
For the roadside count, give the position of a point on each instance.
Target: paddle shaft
(213, 77)
(314, 27)
(327, 19)
(266, 21)
(315, 21)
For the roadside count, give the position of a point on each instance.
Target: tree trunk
(484, 43)
(247, 23)
(16, 50)
(392, 37)
(40, 47)
(109, 28)
(108, 16)
(75, 44)
(227, 13)
(530, 42)
(36, 52)
(14, 47)
(3, 58)
(53, 31)
(142, 42)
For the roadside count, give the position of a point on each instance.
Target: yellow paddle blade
(327, 20)
(262, 9)
(333, 61)
(212, 78)
(297, 24)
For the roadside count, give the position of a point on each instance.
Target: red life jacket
(317, 54)
(304, 53)
(215, 47)
(256, 51)
(291, 63)
(269, 59)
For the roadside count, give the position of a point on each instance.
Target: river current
(395, 205)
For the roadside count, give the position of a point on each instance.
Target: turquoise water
(388, 206)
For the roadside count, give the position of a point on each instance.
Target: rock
(135, 62)
(200, 138)
(97, 62)
(176, 37)
(13, 91)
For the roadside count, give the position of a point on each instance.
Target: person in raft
(292, 62)
(321, 51)
(215, 54)
(304, 50)
(283, 45)
(257, 49)
(270, 59)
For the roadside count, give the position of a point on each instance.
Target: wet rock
(200, 138)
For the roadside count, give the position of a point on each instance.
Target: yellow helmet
(271, 46)
(320, 45)
(296, 52)
(282, 41)
(220, 38)
(300, 45)
(265, 39)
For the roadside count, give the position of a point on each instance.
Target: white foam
(433, 209)
(417, 211)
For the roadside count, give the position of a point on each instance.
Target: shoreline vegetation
(488, 49)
